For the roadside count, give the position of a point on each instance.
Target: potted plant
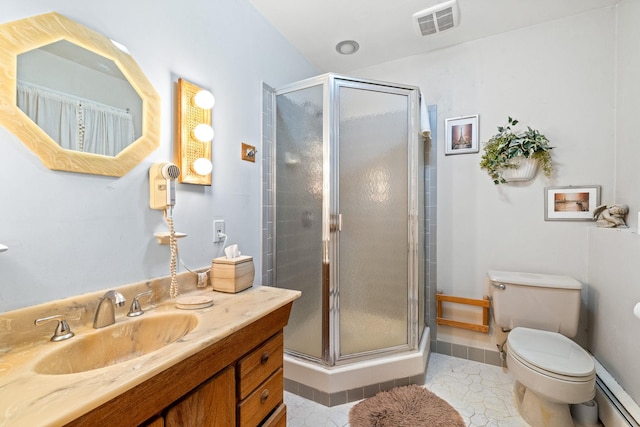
(508, 153)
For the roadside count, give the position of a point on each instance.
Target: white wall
(614, 333)
(628, 93)
(72, 233)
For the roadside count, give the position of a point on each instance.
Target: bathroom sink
(126, 340)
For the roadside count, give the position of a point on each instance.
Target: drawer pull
(265, 358)
(264, 396)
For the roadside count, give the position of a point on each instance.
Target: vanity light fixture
(193, 150)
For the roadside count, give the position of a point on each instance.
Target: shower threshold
(336, 385)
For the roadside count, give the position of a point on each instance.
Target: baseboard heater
(616, 408)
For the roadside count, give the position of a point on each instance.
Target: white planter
(526, 170)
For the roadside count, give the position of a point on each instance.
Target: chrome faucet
(106, 311)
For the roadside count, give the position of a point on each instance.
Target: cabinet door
(211, 404)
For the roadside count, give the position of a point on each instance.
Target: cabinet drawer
(262, 401)
(278, 418)
(254, 368)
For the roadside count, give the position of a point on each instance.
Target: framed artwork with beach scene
(573, 203)
(461, 135)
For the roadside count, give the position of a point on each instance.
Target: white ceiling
(384, 28)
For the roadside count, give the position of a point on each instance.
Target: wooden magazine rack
(484, 303)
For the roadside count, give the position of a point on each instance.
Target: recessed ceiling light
(347, 47)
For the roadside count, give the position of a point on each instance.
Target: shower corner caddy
(484, 303)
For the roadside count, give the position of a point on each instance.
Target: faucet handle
(135, 309)
(62, 332)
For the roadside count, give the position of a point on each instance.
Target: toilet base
(539, 412)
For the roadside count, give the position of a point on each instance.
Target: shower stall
(347, 229)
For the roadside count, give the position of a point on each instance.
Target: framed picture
(573, 203)
(461, 135)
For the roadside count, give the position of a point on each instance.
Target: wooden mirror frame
(30, 33)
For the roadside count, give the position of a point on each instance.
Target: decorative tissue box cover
(232, 274)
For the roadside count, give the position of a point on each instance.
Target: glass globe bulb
(202, 166)
(203, 133)
(204, 99)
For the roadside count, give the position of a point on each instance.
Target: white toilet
(541, 311)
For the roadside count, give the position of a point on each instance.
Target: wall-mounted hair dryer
(162, 185)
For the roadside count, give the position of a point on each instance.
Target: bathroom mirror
(50, 57)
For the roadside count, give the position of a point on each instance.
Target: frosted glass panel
(373, 201)
(299, 214)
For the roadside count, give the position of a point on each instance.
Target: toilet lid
(551, 352)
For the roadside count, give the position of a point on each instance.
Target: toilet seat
(551, 366)
(551, 354)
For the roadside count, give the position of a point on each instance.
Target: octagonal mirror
(78, 100)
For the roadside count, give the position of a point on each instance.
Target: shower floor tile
(481, 393)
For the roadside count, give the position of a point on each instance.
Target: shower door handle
(336, 223)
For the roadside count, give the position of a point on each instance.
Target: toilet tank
(539, 301)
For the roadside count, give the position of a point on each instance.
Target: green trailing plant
(507, 145)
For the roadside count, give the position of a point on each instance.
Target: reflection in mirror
(74, 144)
(80, 99)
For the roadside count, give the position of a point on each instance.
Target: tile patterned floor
(481, 393)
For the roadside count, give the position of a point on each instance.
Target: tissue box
(232, 274)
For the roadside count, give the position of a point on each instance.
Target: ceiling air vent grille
(427, 25)
(437, 18)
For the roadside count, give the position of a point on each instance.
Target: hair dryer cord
(173, 244)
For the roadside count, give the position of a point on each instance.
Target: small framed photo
(461, 135)
(573, 203)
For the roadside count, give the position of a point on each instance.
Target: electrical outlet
(218, 227)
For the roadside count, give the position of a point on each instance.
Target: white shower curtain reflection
(77, 124)
(106, 131)
(54, 113)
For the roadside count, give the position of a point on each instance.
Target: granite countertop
(28, 398)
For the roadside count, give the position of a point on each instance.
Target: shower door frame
(331, 221)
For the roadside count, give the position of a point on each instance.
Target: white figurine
(609, 216)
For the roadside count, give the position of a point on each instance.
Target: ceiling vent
(436, 19)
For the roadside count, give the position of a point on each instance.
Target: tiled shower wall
(430, 217)
(268, 155)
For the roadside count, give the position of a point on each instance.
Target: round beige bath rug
(407, 406)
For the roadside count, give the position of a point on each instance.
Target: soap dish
(194, 302)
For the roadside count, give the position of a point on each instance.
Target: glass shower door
(298, 215)
(373, 204)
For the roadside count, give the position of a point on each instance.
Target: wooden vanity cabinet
(237, 381)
